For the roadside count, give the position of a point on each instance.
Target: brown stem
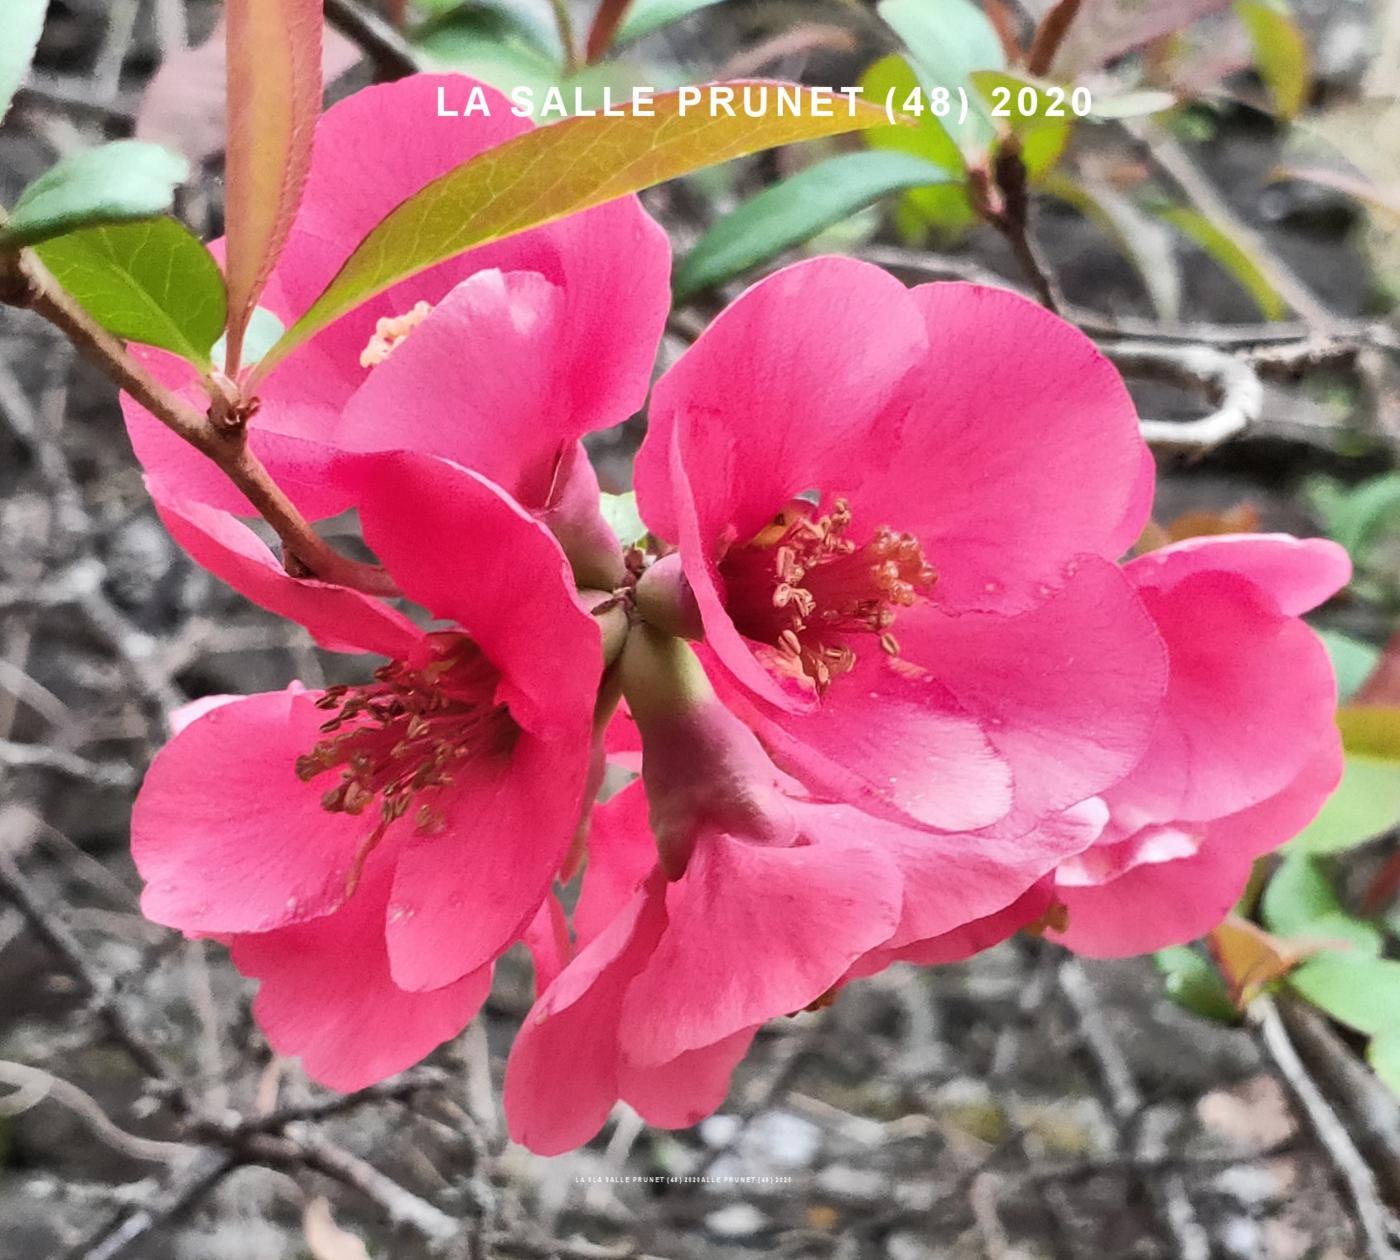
(25, 282)
(1049, 35)
(565, 23)
(1002, 198)
(605, 27)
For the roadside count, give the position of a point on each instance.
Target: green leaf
(1043, 135)
(1357, 516)
(1297, 894)
(1280, 54)
(926, 138)
(493, 45)
(946, 43)
(1192, 981)
(1383, 1054)
(500, 50)
(1299, 902)
(1371, 729)
(1366, 805)
(1352, 661)
(1362, 993)
(548, 173)
(646, 17)
(151, 282)
(20, 28)
(1231, 256)
(944, 207)
(264, 328)
(1114, 105)
(620, 512)
(115, 183)
(795, 210)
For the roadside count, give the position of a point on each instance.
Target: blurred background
(1225, 221)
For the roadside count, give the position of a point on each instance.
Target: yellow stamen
(390, 332)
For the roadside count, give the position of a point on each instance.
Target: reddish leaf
(274, 98)
(1250, 959)
(605, 25)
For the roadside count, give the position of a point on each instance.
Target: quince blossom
(369, 850)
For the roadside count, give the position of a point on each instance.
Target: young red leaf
(274, 97)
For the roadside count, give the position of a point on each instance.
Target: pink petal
(196, 709)
(464, 896)
(755, 932)
(1022, 454)
(226, 836)
(1067, 692)
(562, 1075)
(1300, 573)
(886, 743)
(621, 854)
(1169, 903)
(289, 440)
(951, 880)
(798, 385)
(683, 1092)
(963, 942)
(1250, 694)
(458, 545)
(547, 939)
(338, 618)
(327, 996)
(612, 263)
(491, 346)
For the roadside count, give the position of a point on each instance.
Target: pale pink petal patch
(621, 854)
(477, 382)
(1156, 904)
(965, 941)
(338, 618)
(755, 932)
(1021, 453)
(327, 995)
(798, 385)
(683, 1092)
(888, 743)
(463, 894)
(461, 547)
(1300, 573)
(562, 1075)
(1250, 692)
(227, 837)
(1067, 693)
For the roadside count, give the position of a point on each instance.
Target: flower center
(402, 739)
(803, 587)
(390, 332)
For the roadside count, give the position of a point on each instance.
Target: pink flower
(898, 513)
(370, 850)
(764, 900)
(499, 359)
(1243, 756)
